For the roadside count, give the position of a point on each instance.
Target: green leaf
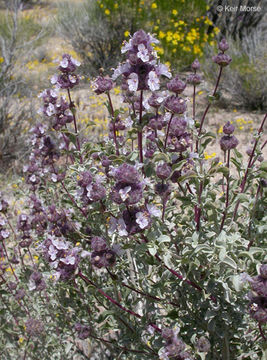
(230, 262)
(237, 283)
(179, 165)
(263, 166)
(202, 248)
(222, 254)
(224, 170)
(68, 347)
(152, 249)
(164, 238)
(160, 156)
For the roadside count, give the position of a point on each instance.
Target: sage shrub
(136, 247)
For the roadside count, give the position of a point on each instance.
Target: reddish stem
(208, 106)
(84, 278)
(75, 125)
(140, 136)
(72, 199)
(168, 130)
(227, 190)
(113, 122)
(250, 163)
(179, 276)
(261, 332)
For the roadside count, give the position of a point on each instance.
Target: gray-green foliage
(17, 36)
(180, 266)
(95, 37)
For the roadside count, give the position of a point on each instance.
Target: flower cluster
(62, 257)
(67, 79)
(102, 255)
(228, 141)
(175, 347)
(82, 330)
(129, 187)
(92, 189)
(141, 70)
(221, 58)
(4, 232)
(194, 78)
(56, 108)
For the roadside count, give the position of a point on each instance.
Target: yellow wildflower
(220, 130)
(126, 33)
(107, 12)
(175, 12)
(154, 6)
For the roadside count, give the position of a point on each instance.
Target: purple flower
(85, 178)
(156, 99)
(228, 142)
(203, 344)
(102, 85)
(141, 70)
(3, 204)
(176, 85)
(129, 193)
(163, 171)
(68, 64)
(178, 126)
(20, 293)
(228, 128)
(82, 330)
(104, 258)
(129, 218)
(258, 308)
(65, 80)
(36, 282)
(179, 143)
(259, 285)
(194, 79)
(96, 192)
(34, 327)
(176, 105)
(163, 190)
(98, 244)
(222, 59)
(117, 225)
(195, 65)
(127, 174)
(223, 45)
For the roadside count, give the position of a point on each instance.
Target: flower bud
(194, 79)
(195, 65)
(228, 128)
(176, 85)
(223, 45)
(228, 142)
(101, 85)
(203, 344)
(222, 59)
(163, 171)
(176, 105)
